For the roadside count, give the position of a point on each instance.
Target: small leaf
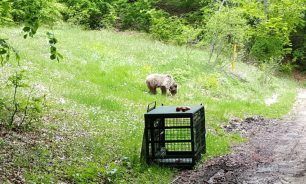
(2, 51)
(53, 56)
(26, 29)
(54, 40)
(53, 49)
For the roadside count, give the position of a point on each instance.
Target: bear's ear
(169, 76)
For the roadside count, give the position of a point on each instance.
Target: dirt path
(275, 153)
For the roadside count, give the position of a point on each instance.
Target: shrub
(224, 30)
(266, 47)
(209, 82)
(172, 29)
(136, 15)
(46, 11)
(19, 104)
(94, 14)
(299, 46)
(271, 33)
(181, 75)
(5, 10)
(269, 69)
(24, 107)
(287, 68)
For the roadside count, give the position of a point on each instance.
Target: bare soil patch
(275, 152)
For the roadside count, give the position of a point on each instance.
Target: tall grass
(97, 98)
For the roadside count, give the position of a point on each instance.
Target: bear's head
(173, 89)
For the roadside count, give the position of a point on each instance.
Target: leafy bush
(267, 47)
(24, 107)
(268, 68)
(299, 46)
(136, 15)
(5, 9)
(181, 75)
(260, 32)
(175, 7)
(172, 29)
(225, 29)
(271, 32)
(94, 14)
(287, 68)
(209, 82)
(20, 105)
(46, 11)
(6, 50)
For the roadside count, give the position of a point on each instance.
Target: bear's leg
(153, 91)
(163, 90)
(151, 88)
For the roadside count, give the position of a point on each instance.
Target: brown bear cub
(163, 81)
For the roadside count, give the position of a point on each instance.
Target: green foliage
(24, 106)
(268, 69)
(175, 7)
(94, 14)
(271, 33)
(265, 48)
(299, 46)
(53, 50)
(287, 68)
(5, 52)
(38, 11)
(228, 25)
(96, 134)
(137, 15)
(260, 31)
(173, 30)
(299, 54)
(209, 82)
(224, 29)
(5, 9)
(166, 28)
(181, 75)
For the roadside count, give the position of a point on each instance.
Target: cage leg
(143, 153)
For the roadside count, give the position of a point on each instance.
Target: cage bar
(175, 139)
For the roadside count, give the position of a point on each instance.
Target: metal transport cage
(172, 138)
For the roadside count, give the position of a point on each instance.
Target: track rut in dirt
(275, 152)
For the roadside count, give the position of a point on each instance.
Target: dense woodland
(260, 30)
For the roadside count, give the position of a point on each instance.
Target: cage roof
(172, 110)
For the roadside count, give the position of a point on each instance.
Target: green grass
(102, 83)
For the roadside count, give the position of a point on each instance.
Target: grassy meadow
(96, 96)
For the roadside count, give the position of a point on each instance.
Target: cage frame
(149, 141)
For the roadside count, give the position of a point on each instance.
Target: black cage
(174, 138)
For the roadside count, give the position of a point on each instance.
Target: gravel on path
(275, 152)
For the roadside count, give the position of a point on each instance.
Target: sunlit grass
(102, 79)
